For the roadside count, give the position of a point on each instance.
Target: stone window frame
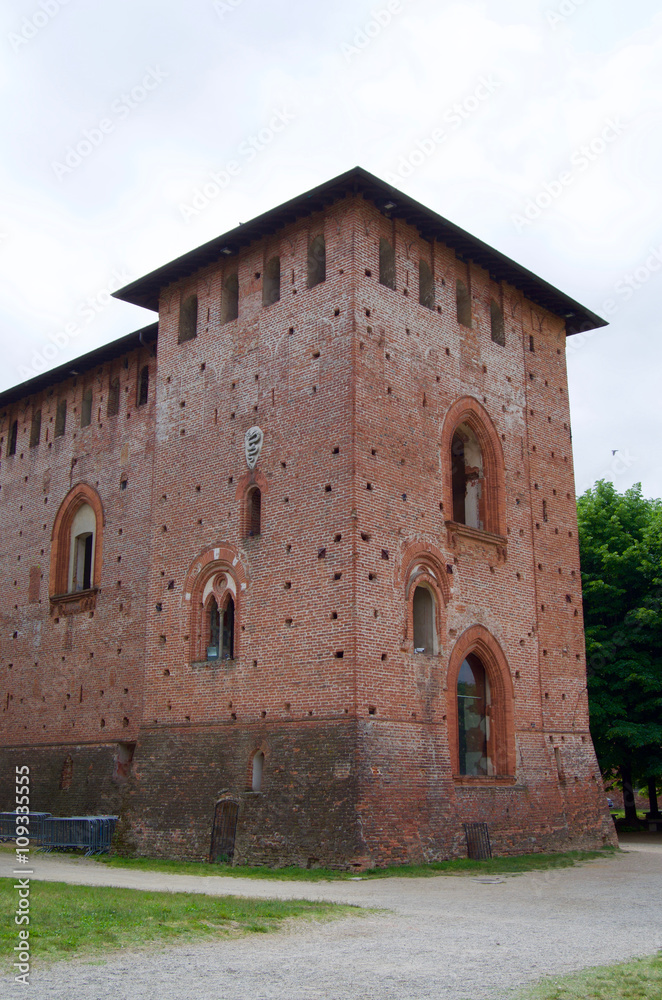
(479, 641)
(468, 410)
(64, 601)
(203, 579)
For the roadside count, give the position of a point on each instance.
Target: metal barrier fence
(478, 841)
(93, 834)
(34, 821)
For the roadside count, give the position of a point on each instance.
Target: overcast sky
(548, 120)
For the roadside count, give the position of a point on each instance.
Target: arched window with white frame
(81, 554)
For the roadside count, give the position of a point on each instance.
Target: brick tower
(336, 609)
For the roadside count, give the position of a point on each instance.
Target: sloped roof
(146, 335)
(394, 204)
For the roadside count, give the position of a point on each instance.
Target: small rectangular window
(497, 326)
(35, 429)
(86, 409)
(13, 436)
(386, 264)
(61, 418)
(316, 261)
(188, 319)
(463, 304)
(425, 285)
(113, 398)
(143, 386)
(271, 282)
(230, 299)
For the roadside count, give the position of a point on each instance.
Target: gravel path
(457, 938)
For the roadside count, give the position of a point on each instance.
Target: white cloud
(557, 87)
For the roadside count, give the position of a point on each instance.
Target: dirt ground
(457, 938)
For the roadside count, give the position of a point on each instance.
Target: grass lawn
(71, 920)
(461, 866)
(640, 979)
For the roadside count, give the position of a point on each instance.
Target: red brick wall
(354, 386)
(75, 680)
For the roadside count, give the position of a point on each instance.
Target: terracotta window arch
(76, 543)
(426, 597)
(473, 481)
(212, 597)
(480, 708)
(216, 629)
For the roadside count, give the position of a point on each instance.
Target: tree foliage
(620, 544)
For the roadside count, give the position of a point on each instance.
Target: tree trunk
(652, 800)
(628, 793)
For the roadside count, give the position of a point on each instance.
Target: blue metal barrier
(33, 820)
(93, 834)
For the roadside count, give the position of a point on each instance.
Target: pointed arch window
(81, 557)
(214, 630)
(474, 475)
(217, 633)
(424, 621)
(468, 478)
(473, 707)
(76, 546)
(227, 630)
(481, 727)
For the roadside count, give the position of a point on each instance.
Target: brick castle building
(293, 576)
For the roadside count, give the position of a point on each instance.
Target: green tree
(620, 544)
